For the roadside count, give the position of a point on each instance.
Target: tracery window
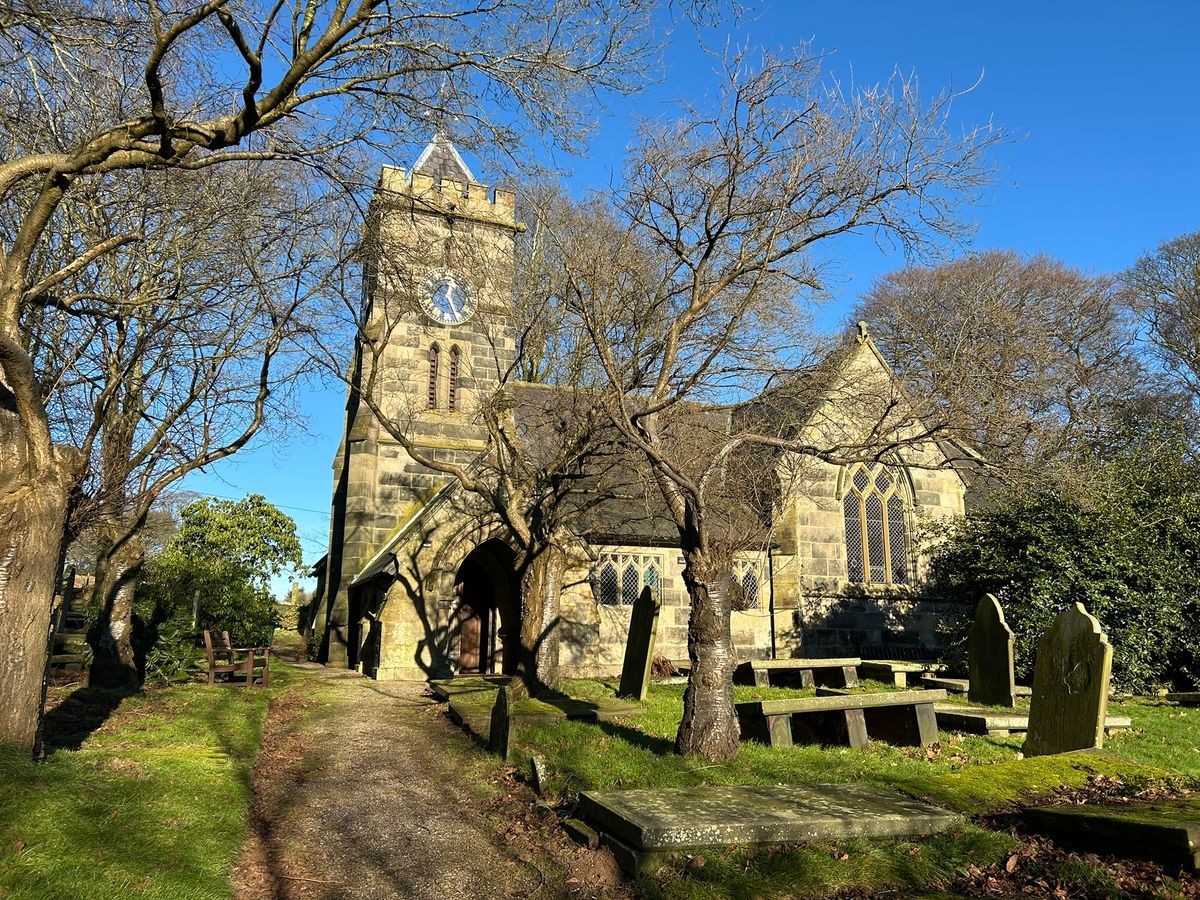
(748, 575)
(619, 578)
(876, 525)
(435, 355)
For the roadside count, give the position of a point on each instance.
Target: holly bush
(1127, 548)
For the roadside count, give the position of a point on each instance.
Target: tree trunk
(709, 726)
(541, 594)
(33, 512)
(111, 638)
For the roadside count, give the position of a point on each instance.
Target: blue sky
(1101, 99)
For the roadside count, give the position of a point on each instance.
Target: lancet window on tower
(435, 354)
(876, 526)
(452, 389)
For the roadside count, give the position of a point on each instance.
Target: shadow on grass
(70, 723)
(657, 745)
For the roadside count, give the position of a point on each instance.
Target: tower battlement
(454, 197)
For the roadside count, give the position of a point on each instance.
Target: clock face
(447, 298)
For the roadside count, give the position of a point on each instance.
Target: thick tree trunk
(541, 594)
(111, 638)
(33, 512)
(709, 726)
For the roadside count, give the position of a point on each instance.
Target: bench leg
(856, 728)
(849, 676)
(806, 679)
(762, 678)
(780, 730)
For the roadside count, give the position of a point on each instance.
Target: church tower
(438, 337)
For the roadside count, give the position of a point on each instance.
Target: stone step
(645, 826)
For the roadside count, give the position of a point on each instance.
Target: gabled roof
(440, 159)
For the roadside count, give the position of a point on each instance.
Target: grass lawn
(969, 774)
(152, 805)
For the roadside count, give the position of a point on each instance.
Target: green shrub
(1128, 549)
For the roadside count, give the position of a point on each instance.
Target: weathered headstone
(990, 656)
(639, 647)
(1070, 686)
(500, 732)
(537, 774)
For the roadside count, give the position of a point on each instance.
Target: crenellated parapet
(460, 199)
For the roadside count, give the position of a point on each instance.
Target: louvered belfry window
(452, 390)
(435, 354)
(876, 526)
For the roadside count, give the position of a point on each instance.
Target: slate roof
(440, 159)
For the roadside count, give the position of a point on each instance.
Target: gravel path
(364, 789)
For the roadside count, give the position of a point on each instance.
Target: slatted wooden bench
(224, 658)
(803, 673)
(903, 717)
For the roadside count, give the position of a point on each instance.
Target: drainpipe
(771, 595)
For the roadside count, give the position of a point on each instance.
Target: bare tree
(1166, 288)
(693, 292)
(1035, 359)
(98, 88)
(167, 355)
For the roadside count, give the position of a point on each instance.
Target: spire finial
(862, 330)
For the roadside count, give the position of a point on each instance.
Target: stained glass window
(876, 526)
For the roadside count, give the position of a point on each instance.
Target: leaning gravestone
(639, 647)
(500, 731)
(990, 657)
(1070, 686)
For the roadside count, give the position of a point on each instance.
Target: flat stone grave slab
(1168, 832)
(798, 672)
(449, 688)
(998, 722)
(962, 685)
(898, 672)
(642, 826)
(1185, 699)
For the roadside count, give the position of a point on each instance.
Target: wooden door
(470, 640)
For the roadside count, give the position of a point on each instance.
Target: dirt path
(365, 789)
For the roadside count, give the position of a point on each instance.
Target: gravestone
(500, 732)
(639, 647)
(990, 656)
(537, 774)
(1070, 686)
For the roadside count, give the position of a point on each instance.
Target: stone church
(418, 583)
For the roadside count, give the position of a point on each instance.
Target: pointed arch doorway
(489, 610)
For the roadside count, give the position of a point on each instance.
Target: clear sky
(1102, 99)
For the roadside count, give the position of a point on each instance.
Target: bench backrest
(220, 645)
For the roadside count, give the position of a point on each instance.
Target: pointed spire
(440, 159)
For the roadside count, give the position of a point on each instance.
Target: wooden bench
(224, 658)
(802, 673)
(904, 717)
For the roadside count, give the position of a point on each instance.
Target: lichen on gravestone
(1070, 686)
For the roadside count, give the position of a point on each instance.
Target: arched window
(452, 391)
(876, 525)
(435, 354)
